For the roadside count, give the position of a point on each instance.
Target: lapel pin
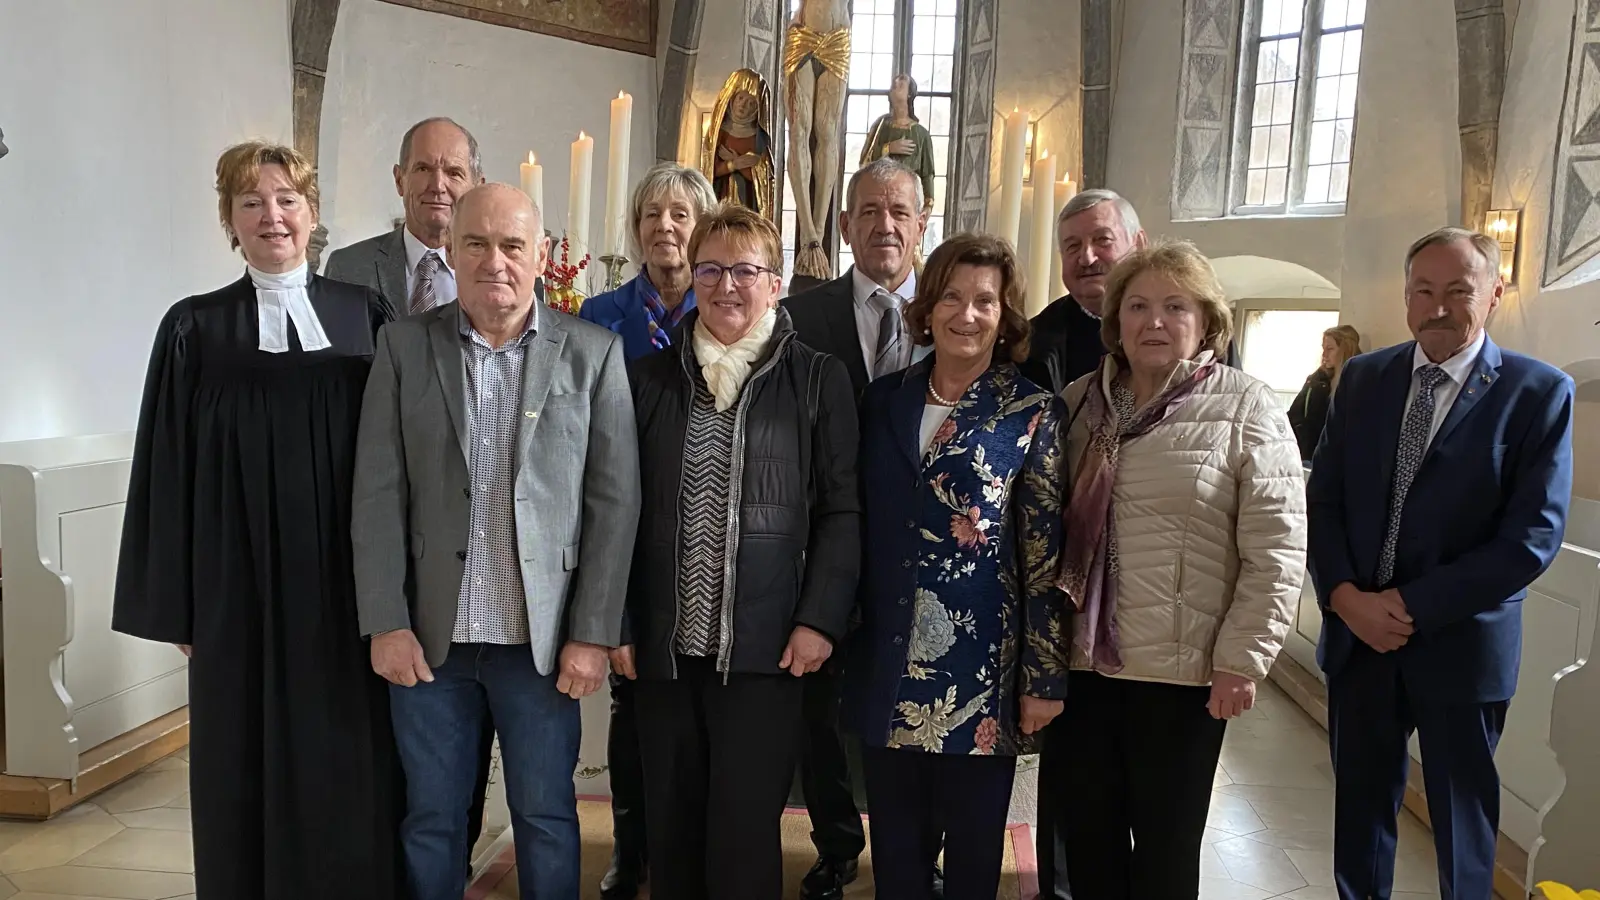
(531, 414)
(1484, 376)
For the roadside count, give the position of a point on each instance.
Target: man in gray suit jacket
(439, 163)
(496, 502)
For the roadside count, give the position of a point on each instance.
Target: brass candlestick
(614, 265)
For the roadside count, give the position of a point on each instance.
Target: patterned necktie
(887, 358)
(424, 296)
(1413, 445)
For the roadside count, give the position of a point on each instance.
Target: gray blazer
(378, 263)
(577, 484)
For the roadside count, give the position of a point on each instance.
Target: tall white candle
(1064, 191)
(578, 196)
(617, 173)
(1016, 135)
(1040, 291)
(533, 181)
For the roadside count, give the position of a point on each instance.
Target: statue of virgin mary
(737, 156)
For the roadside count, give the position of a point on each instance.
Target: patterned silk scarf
(1088, 555)
(662, 320)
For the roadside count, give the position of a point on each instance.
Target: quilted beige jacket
(1211, 532)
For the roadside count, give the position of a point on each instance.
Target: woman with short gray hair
(667, 202)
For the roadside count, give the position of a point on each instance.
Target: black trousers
(718, 761)
(825, 773)
(1049, 847)
(627, 781)
(1132, 795)
(920, 803)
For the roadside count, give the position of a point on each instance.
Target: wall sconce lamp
(1028, 149)
(1504, 225)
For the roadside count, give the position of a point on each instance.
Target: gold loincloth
(830, 50)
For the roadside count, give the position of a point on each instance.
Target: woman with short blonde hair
(667, 203)
(1182, 559)
(236, 548)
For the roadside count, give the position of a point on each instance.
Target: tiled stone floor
(1270, 833)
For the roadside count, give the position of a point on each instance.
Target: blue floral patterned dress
(961, 616)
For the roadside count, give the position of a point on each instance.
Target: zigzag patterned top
(704, 578)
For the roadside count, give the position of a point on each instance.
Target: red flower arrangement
(560, 281)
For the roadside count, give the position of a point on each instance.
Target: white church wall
(517, 91)
(115, 114)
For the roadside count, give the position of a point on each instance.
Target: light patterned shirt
(492, 608)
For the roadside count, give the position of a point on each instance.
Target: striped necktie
(887, 358)
(424, 296)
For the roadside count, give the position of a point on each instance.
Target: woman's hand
(1231, 695)
(900, 147)
(1038, 712)
(807, 651)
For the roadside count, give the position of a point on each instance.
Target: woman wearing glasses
(745, 567)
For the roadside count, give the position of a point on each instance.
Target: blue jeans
(436, 725)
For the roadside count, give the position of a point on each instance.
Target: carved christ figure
(816, 62)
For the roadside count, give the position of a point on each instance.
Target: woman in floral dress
(961, 656)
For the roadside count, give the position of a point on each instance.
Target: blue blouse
(960, 612)
(623, 311)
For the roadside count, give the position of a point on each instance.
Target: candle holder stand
(614, 265)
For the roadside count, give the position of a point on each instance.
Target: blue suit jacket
(1482, 520)
(622, 311)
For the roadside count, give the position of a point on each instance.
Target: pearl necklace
(935, 392)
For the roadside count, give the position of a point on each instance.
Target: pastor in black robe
(236, 541)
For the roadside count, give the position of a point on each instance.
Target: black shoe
(827, 879)
(621, 881)
(938, 883)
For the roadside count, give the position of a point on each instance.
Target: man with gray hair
(856, 317)
(438, 163)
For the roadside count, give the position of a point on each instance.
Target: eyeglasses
(709, 274)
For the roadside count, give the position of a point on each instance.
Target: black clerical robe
(237, 541)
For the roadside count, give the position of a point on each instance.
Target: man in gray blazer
(496, 501)
(439, 163)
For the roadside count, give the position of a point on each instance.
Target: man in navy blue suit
(1438, 494)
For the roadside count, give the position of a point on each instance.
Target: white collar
(282, 298)
(865, 287)
(1458, 367)
(416, 249)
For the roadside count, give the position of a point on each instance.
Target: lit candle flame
(532, 160)
(581, 135)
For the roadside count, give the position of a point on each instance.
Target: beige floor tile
(144, 849)
(61, 839)
(1211, 864)
(12, 832)
(32, 895)
(1328, 893)
(166, 818)
(182, 802)
(1316, 866)
(172, 763)
(1259, 865)
(1220, 778)
(1418, 874)
(1294, 816)
(150, 789)
(1233, 815)
(1320, 796)
(121, 883)
(1321, 841)
(184, 753)
(1272, 768)
(7, 889)
(1213, 835)
(1227, 889)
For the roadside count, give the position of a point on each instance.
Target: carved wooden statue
(901, 137)
(737, 155)
(816, 62)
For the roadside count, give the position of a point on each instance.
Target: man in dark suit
(857, 318)
(1439, 492)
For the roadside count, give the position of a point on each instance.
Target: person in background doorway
(236, 548)
(1309, 410)
(667, 203)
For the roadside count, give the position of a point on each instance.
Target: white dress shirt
(1458, 367)
(444, 280)
(869, 316)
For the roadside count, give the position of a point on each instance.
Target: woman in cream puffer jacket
(1183, 557)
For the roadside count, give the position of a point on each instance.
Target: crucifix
(816, 63)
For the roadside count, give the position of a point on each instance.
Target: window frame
(1312, 34)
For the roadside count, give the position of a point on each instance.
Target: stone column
(677, 77)
(1095, 82)
(969, 172)
(310, 37)
(1481, 82)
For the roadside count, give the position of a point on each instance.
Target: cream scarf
(727, 367)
